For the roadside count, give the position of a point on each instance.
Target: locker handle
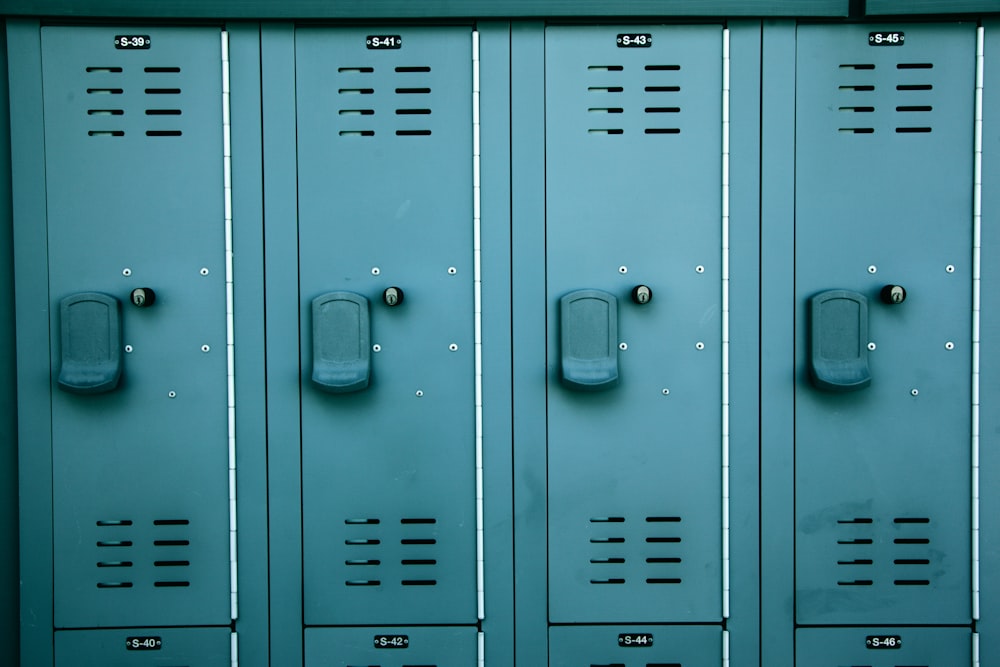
(90, 334)
(589, 340)
(839, 341)
(341, 342)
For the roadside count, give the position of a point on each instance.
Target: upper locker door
(634, 290)
(388, 325)
(134, 195)
(883, 282)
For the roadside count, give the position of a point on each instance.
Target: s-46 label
(883, 641)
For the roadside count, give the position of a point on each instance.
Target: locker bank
(656, 334)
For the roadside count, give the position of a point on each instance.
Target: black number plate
(636, 640)
(143, 643)
(392, 641)
(883, 641)
(634, 40)
(891, 38)
(384, 42)
(132, 42)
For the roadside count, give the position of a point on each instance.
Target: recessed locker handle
(838, 351)
(91, 339)
(341, 332)
(588, 322)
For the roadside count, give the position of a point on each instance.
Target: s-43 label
(634, 40)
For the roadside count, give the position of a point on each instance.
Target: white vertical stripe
(725, 334)
(977, 219)
(481, 646)
(478, 307)
(234, 650)
(227, 166)
(725, 648)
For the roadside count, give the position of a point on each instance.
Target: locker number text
(636, 640)
(132, 42)
(143, 643)
(894, 38)
(392, 641)
(384, 41)
(634, 40)
(883, 641)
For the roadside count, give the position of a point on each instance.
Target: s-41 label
(384, 42)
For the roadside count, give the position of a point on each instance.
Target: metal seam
(477, 301)
(725, 324)
(977, 196)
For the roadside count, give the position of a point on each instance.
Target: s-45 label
(886, 38)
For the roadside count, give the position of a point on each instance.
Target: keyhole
(392, 296)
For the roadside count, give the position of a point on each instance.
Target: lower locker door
(391, 647)
(883, 647)
(144, 647)
(635, 646)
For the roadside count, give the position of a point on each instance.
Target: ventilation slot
(413, 112)
(915, 66)
(163, 133)
(608, 664)
(913, 130)
(914, 109)
(663, 109)
(605, 68)
(357, 543)
(607, 561)
(115, 522)
(410, 522)
(104, 70)
(361, 522)
(115, 543)
(608, 519)
(607, 581)
(106, 133)
(663, 89)
(105, 112)
(355, 70)
(856, 582)
(663, 664)
(357, 133)
(857, 130)
(662, 581)
(105, 91)
(607, 540)
(850, 521)
(171, 584)
(606, 89)
(362, 582)
(663, 68)
(114, 584)
(163, 91)
(413, 133)
(859, 109)
(413, 91)
(418, 541)
(162, 70)
(606, 131)
(914, 86)
(857, 66)
(163, 112)
(356, 91)
(117, 563)
(663, 130)
(859, 88)
(413, 70)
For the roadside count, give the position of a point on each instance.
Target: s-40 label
(143, 643)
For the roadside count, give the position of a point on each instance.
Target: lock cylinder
(142, 297)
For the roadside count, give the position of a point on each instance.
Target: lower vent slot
(362, 582)
(658, 580)
(607, 581)
(115, 563)
(114, 584)
(419, 582)
(172, 584)
(856, 582)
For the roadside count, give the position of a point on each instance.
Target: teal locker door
(391, 646)
(635, 646)
(884, 160)
(134, 182)
(144, 647)
(388, 377)
(883, 647)
(634, 210)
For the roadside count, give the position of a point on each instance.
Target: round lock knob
(642, 294)
(392, 296)
(893, 294)
(142, 297)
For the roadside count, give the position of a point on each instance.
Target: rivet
(171, 394)
(622, 346)
(950, 268)
(871, 346)
(699, 269)
(699, 345)
(126, 272)
(453, 347)
(205, 348)
(623, 269)
(419, 393)
(452, 270)
(204, 271)
(128, 349)
(872, 269)
(376, 270)
(376, 348)
(914, 392)
(949, 346)
(665, 392)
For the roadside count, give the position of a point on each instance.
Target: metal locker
(634, 260)
(883, 647)
(883, 283)
(144, 647)
(635, 646)
(386, 273)
(136, 262)
(391, 646)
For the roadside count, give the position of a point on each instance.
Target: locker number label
(132, 42)
(143, 643)
(883, 641)
(379, 42)
(634, 40)
(636, 640)
(392, 641)
(891, 38)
